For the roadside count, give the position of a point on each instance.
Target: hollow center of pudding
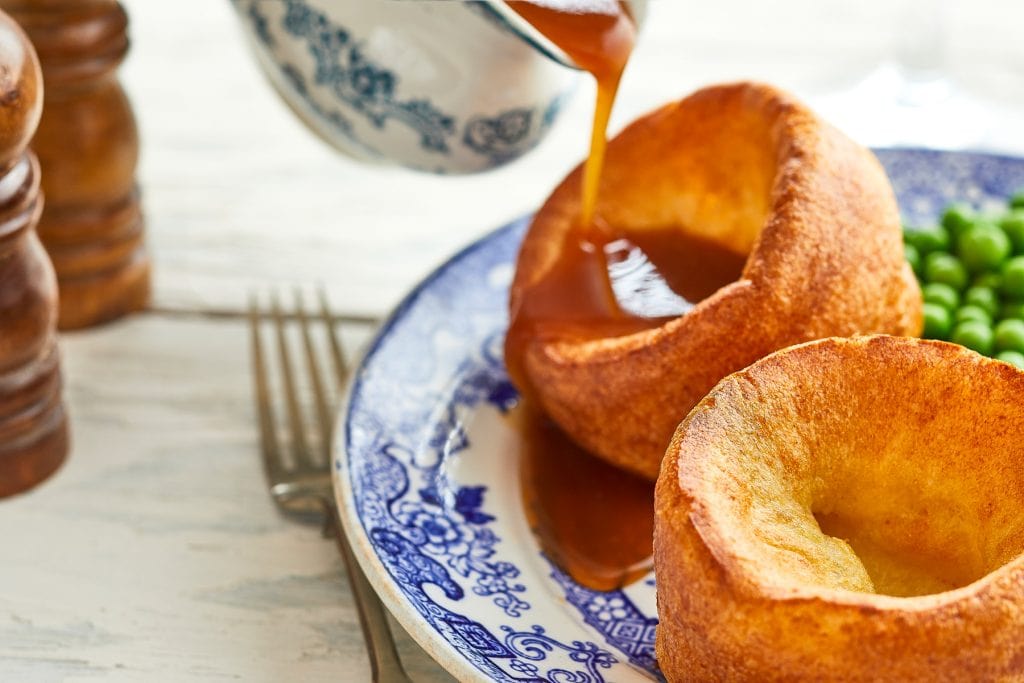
(682, 202)
(896, 520)
(664, 273)
(628, 283)
(892, 521)
(899, 566)
(876, 473)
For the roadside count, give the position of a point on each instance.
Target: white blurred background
(942, 73)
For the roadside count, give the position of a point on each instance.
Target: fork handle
(385, 665)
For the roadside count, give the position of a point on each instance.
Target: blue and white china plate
(427, 469)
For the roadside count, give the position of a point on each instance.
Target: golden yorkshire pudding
(748, 169)
(846, 510)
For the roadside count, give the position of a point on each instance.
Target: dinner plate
(427, 468)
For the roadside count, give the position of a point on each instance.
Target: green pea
(937, 322)
(983, 248)
(941, 294)
(990, 280)
(982, 297)
(1017, 200)
(1013, 278)
(1012, 309)
(957, 218)
(945, 268)
(913, 257)
(1009, 335)
(989, 221)
(1014, 358)
(927, 240)
(975, 335)
(965, 313)
(1013, 225)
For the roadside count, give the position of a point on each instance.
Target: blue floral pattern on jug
(498, 136)
(260, 25)
(435, 533)
(362, 87)
(355, 80)
(297, 82)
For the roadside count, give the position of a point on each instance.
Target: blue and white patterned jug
(446, 86)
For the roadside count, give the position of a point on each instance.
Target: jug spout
(515, 23)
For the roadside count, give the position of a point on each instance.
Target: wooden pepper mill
(88, 147)
(33, 426)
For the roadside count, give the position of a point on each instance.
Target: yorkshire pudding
(846, 510)
(747, 168)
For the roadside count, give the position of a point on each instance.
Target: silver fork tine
(323, 411)
(269, 445)
(337, 354)
(300, 449)
(306, 487)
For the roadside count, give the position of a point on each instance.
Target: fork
(299, 475)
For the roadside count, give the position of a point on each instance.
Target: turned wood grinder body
(87, 144)
(33, 425)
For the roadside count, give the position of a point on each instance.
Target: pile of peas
(971, 270)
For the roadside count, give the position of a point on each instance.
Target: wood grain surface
(155, 553)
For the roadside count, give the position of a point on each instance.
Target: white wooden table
(155, 553)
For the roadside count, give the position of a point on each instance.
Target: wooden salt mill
(33, 426)
(88, 147)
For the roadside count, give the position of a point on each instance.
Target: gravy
(593, 520)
